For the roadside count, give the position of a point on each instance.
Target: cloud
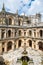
(36, 7)
(28, 6)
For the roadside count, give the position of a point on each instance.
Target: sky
(29, 7)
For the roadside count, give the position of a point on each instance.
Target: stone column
(0, 33)
(42, 33)
(20, 22)
(27, 43)
(16, 44)
(26, 33)
(5, 34)
(12, 46)
(13, 33)
(36, 33)
(22, 33)
(12, 21)
(22, 44)
(0, 48)
(32, 33)
(17, 32)
(33, 44)
(37, 47)
(5, 48)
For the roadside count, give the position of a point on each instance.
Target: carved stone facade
(16, 30)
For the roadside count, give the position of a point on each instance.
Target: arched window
(40, 33)
(19, 32)
(9, 46)
(19, 22)
(30, 43)
(19, 43)
(10, 21)
(40, 45)
(9, 33)
(30, 32)
(2, 50)
(2, 34)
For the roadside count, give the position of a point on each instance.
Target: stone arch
(9, 33)
(40, 44)
(30, 43)
(19, 43)
(41, 33)
(9, 45)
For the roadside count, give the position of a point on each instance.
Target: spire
(24, 17)
(3, 8)
(17, 12)
(17, 17)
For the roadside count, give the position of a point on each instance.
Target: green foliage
(24, 63)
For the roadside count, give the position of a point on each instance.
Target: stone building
(16, 30)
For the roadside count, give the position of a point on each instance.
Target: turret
(38, 16)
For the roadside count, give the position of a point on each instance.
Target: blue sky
(30, 7)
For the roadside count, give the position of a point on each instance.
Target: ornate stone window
(40, 45)
(30, 43)
(30, 32)
(19, 32)
(9, 33)
(2, 50)
(9, 46)
(10, 21)
(40, 33)
(2, 33)
(19, 22)
(19, 43)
